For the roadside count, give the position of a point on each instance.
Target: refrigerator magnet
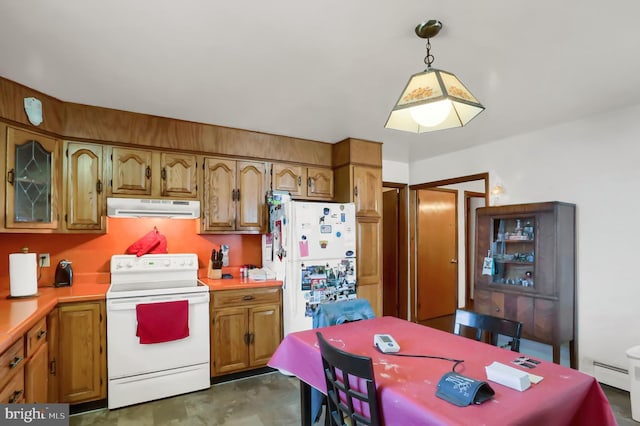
(323, 244)
(304, 248)
(325, 229)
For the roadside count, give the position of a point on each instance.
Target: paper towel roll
(23, 274)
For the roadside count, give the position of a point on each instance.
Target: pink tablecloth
(407, 386)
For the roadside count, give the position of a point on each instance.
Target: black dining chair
(352, 399)
(490, 327)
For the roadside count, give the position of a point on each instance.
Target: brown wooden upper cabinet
(84, 186)
(367, 195)
(141, 172)
(303, 182)
(234, 195)
(131, 172)
(178, 175)
(32, 188)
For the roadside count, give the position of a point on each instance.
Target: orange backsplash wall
(90, 253)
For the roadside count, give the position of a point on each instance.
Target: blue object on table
(336, 313)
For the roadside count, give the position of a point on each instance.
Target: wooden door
(36, 377)
(131, 171)
(266, 333)
(32, 182)
(390, 252)
(178, 175)
(219, 194)
(320, 183)
(231, 337)
(437, 268)
(286, 177)
(251, 196)
(84, 186)
(82, 359)
(367, 194)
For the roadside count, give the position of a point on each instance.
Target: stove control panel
(124, 263)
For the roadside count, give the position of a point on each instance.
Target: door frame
(403, 247)
(412, 227)
(469, 239)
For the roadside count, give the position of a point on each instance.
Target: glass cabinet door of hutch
(32, 182)
(513, 251)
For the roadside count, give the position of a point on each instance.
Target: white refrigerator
(312, 249)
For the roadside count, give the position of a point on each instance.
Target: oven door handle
(128, 304)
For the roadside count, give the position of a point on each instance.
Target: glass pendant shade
(433, 100)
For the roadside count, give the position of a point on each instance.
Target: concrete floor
(266, 400)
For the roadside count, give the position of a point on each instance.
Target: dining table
(407, 385)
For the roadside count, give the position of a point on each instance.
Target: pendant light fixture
(433, 99)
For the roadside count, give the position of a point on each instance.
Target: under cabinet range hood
(149, 207)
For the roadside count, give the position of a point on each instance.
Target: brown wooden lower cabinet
(52, 347)
(82, 361)
(539, 316)
(36, 377)
(246, 329)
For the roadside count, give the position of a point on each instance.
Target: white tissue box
(508, 376)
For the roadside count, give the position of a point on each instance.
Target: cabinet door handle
(52, 367)
(147, 172)
(248, 297)
(15, 362)
(454, 260)
(11, 176)
(15, 396)
(163, 173)
(355, 191)
(41, 334)
(246, 338)
(497, 309)
(251, 338)
(233, 195)
(299, 180)
(99, 186)
(237, 195)
(309, 182)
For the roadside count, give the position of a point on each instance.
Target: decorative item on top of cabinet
(246, 330)
(303, 182)
(84, 195)
(525, 269)
(32, 187)
(82, 360)
(141, 172)
(234, 195)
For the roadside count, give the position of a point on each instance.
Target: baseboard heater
(611, 375)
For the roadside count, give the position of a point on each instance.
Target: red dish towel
(162, 322)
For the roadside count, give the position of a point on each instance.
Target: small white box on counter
(508, 376)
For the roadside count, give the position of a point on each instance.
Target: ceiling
(331, 69)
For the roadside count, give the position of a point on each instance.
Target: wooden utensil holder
(214, 271)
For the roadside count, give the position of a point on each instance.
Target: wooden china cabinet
(525, 269)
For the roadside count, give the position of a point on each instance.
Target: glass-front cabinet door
(32, 190)
(513, 251)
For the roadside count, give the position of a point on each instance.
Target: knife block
(214, 271)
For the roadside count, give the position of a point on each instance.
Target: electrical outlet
(45, 261)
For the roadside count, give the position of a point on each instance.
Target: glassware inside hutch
(513, 249)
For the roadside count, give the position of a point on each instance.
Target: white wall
(594, 164)
(395, 172)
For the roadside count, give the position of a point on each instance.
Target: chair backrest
(351, 387)
(494, 326)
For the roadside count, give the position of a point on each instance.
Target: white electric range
(143, 372)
